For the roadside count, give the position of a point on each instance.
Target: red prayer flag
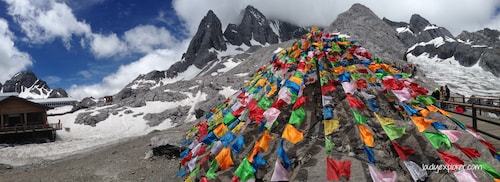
(490, 146)
(361, 83)
(363, 71)
(403, 152)
(257, 114)
(299, 102)
(336, 169)
(469, 152)
(186, 159)
(355, 102)
(238, 112)
(202, 131)
(450, 159)
(327, 88)
(278, 103)
(202, 150)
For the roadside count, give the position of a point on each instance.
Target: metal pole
(480, 110)
(474, 117)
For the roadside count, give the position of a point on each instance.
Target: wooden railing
(32, 128)
(474, 110)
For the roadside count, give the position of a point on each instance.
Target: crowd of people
(442, 94)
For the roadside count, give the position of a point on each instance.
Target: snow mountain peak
(28, 85)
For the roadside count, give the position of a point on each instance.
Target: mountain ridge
(28, 85)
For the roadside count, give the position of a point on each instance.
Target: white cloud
(46, 20)
(11, 59)
(452, 14)
(160, 59)
(106, 46)
(146, 38)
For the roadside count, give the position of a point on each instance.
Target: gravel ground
(121, 161)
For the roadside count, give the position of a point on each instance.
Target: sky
(96, 47)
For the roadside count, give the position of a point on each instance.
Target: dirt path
(122, 161)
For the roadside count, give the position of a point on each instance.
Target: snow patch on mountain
(462, 80)
(227, 91)
(78, 138)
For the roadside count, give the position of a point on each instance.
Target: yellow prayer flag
(218, 117)
(273, 90)
(296, 80)
(261, 82)
(220, 130)
(366, 135)
(188, 179)
(384, 121)
(237, 128)
(292, 134)
(443, 112)
(331, 125)
(352, 68)
(264, 140)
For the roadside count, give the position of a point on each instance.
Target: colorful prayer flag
(292, 134)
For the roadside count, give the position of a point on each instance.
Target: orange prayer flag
(373, 79)
(224, 158)
(338, 70)
(432, 108)
(255, 150)
(422, 123)
(443, 112)
(273, 90)
(264, 140)
(424, 112)
(292, 134)
(366, 135)
(220, 130)
(374, 67)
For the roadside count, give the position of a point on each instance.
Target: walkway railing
(31, 128)
(475, 118)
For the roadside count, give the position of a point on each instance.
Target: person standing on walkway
(446, 93)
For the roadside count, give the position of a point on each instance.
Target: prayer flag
(336, 169)
(416, 172)
(297, 116)
(292, 134)
(264, 140)
(469, 152)
(381, 176)
(465, 175)
(330, 125)
(359, 118)
(245, 171)
(299, 102)
(220, 131)
(238, 145)
(329, 145)
(369, 153)
(437, 139)
(366, 135)
(453, 135)
(393, 132)
(450, 159)
(403, 152)
(280, 173)
(353, 102)
(282, 154)
(211, 171)
(492, 172)
(384, 121)
(224, 158)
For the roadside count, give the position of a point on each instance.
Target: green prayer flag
(355, 76)
(211, 172)
(329, 146)
(195, 171)
(264, 103)
(297, 116)
(323, 81)
(437, 139)
(406, 75)
(359, 119)
(492, 172)
(393, 132)
(414, 102)
(228, 118)
(426, 99)
(298, 74)
(294, 98)
(211, 124)
(252, 89)
(244, 171)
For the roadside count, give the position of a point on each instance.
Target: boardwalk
(484, 127)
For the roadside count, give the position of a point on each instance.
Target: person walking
(436, 94)
(441, 99)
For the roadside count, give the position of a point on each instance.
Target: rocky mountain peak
(254, 25)
(208, 36)
(418, 23)
(360, 22)
(28, 82)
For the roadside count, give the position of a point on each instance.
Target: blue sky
(95, 47)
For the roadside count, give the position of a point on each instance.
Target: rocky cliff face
(253, 26)
(420, 36)
(362, 24)
(29, 84)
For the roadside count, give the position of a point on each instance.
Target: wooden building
(21, 119)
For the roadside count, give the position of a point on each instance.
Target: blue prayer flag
(238, 144)
(283, 156)
(369, 154)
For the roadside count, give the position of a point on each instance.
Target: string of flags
(251, 120)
